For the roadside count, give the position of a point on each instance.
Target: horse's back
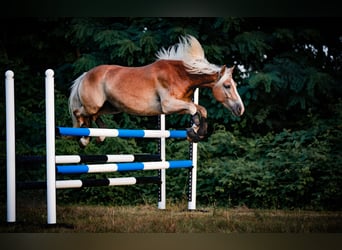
(128, 89)
(98, 73)
(148, 74)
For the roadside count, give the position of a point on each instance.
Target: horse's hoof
(192, 136)
(100, 139)
(83, 142)
(196, 119)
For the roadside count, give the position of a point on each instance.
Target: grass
(175, 219)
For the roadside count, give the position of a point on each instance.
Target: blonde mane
(190, 51)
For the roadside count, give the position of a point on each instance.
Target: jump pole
(50, 146)
(162, 172)
(193, 170)
(10, 146)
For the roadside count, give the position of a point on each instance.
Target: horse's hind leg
(84, 140)
(99, 122)
(82, 122)
(86, 122)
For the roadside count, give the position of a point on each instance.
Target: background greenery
(285, 152)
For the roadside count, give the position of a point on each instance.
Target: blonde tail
(74, 99)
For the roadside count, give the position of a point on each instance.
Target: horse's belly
(139, 106)
(143, 109)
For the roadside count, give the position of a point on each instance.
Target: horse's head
(225, 91)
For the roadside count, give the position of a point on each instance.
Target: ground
(175, 219)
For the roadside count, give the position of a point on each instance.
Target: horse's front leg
(198, 131)
(197, 112)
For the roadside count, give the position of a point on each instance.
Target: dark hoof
(196, 119)
(202, 131)
(192, 136)
(99, 141)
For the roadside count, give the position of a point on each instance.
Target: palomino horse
(165, 86)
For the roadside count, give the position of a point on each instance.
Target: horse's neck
(202, 80)
(185, 80)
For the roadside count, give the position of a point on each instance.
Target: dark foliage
(283, 153)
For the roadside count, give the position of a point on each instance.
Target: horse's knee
(201, 110)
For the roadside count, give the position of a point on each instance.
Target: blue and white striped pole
(124, 133)
(119, 167)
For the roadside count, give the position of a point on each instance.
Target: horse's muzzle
(238, 109)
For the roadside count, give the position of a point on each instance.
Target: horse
(165, 86)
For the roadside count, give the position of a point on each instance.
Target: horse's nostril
(238, 109)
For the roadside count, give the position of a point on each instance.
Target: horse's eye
(226, 86)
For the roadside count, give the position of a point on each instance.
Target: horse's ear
(231, 69)
(223, 69)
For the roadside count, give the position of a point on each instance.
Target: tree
(288, 73)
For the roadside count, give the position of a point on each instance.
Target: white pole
(162, 202)
(50, 146)
(192, 202)
(10, 146)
